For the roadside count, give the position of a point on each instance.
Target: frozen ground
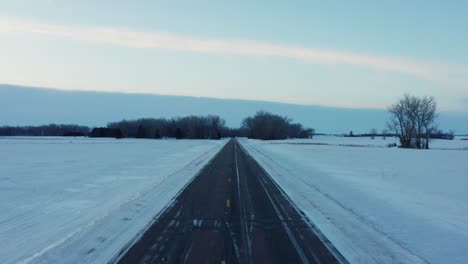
(80, 200)
(377, 205)
(457, 143)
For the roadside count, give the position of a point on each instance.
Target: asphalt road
(232, 212)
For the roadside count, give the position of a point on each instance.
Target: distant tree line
(267, 126)
(228, 132)
(372, 134)
(412, 121)
(45, 130)
(435, 134)
(105, 132)
(262, 125)
(190, 127)
(439, 134)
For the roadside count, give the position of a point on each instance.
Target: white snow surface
(459, 142)
(375, 204)
(81, 200)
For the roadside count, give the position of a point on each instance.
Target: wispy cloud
(158, 40)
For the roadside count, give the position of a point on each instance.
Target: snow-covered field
(377, 205)
(457, 143)
(70, 200)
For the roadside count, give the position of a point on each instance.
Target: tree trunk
(427, 138)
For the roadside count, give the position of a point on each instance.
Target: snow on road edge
(353, 237)
(101, 240)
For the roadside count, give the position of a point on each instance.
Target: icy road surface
(81, 200)
(377, 205)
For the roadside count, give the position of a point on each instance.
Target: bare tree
(384, 134)
(428, 115)
(412, 118)
(267, 126)
(373, 132)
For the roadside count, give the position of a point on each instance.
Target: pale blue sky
(361, 54)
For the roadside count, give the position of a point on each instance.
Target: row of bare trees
(262, 125)
(190, 127)
(413, 120)
(45, 130)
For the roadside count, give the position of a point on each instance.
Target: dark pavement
(232, 212)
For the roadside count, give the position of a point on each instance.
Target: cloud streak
(157, 40)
